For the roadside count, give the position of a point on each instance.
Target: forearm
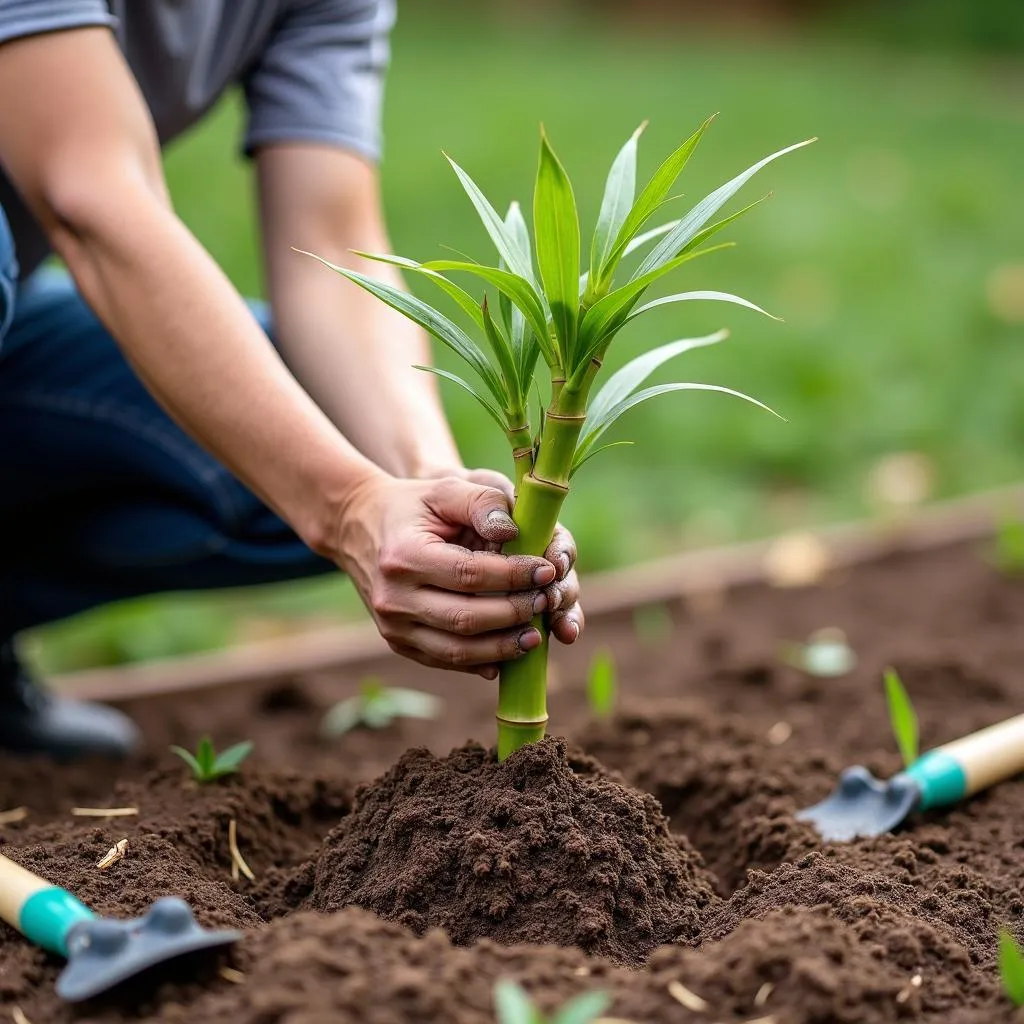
(355, 356)
(198, 349)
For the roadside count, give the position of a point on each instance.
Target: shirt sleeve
(30, 17)
(321, 76)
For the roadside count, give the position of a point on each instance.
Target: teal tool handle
(966, 766)
(42, 912)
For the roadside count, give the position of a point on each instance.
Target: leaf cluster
(207, 765)
(556, 304)
(376, 706)
(514, 1006)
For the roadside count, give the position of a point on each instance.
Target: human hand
(423, 555)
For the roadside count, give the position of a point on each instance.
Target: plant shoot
(514, 1006)
(903, 717)
(551, 303)
(1011, 967)
(376, 706)
(602, 684)
(207, 765)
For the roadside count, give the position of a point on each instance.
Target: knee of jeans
(8, 275)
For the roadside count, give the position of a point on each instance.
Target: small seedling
(602, 684)
(1011, 967)
(1009, 547)
(376, 706)
(902, 716)
(825, 655)
(207, 765)
(514, 1006)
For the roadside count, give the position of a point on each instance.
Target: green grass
(876, 249)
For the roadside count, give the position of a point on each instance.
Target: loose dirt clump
(545, 848)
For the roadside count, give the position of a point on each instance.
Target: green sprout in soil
(602, 684)
(1011, 967)
(207, 765)
(513, 1006)
(376, 706)
(1009, 546)
(556, 307)
(902, 716)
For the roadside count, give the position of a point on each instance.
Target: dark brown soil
(476, 864)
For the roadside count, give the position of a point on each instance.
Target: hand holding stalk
(549, 309)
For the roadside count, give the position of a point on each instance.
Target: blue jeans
(102, 496)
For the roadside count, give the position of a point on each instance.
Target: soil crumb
(546, 848)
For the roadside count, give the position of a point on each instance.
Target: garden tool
(101, 952)
(862, 805)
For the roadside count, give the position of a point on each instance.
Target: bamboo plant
(554, 310)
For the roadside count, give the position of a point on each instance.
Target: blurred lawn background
(893, 249)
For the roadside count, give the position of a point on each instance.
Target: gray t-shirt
(311, 70)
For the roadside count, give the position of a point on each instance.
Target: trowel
(862, 805)
(100, 952)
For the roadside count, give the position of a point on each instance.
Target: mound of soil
(544, 848)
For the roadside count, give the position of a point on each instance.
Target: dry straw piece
(18, 1017)
(230, 974)
(763, 993)
(777, 735)
(104, 812)
(682, 995)
(13, 815)
(114, 854)
(237, 860)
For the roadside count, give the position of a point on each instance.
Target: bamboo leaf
(1011, 967)
(652, 196)
(619, 195)
(556, 231)
(902, 716)
(578, 461)
(506, 361)
(598, 427)
(636, 243)
(628, 378)
(460, 295)
(519, 290)
(503, 239)
(688, 226)
(697, 296)
(607, 315)
(432, 321)
(491, 409)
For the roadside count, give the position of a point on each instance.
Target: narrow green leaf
(518, 232)
(902, 717)
(491, 409)
(519, 290)
(407, 703)
(377, 712)
(1011, 967)
(460, 295)
(524, 342)
(584, 1009)
(343, 717)
(602, 684)
(612, 414)
(230, 760)
(206, 755)
(435, 323)
(607, 315)
(697, 296)
(619, 194)
(649, 200)
(635, 244)
(626, 380)
(507, 246)
(502, 349)
(556, 231)
(189, 759)
(512, 1004)
(578, 459)
(688, 226)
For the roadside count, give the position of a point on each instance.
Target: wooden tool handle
(989, 755)
(41, 911)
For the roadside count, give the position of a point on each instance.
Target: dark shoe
(33, 721)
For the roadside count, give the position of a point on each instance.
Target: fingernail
(575, 629)
(529, 639)
(543, 575)
(540, 602)
(488, 673)
(500, 518)
(555, 599)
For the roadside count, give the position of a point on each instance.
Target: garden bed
(658, 847)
